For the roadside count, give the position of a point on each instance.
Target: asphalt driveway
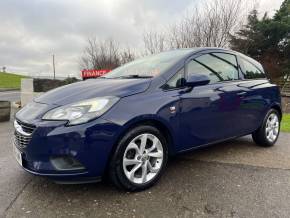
(233, 179)
(10, 96)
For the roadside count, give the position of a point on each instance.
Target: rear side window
(217, 66)
(229, 58)
(250, 71)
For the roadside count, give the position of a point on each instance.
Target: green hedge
(44, 85)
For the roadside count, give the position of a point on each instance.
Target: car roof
(196, 50)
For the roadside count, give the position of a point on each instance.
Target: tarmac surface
(10, 96)
(232, 179)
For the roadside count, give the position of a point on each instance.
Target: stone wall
(5, 108)
(27, 91)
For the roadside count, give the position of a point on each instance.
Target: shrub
(44, 85)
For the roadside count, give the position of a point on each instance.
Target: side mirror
(197, 80)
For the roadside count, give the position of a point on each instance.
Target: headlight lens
(83, 111)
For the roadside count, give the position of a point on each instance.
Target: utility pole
(53, 65)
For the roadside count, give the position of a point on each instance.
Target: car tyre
(268, 133)
(139, 159)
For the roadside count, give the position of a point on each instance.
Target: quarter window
(217, 66)
(251, 71)
(176, 81)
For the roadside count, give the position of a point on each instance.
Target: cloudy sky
(32, 30)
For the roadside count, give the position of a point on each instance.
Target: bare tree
(100, 54)
(127, 55)
(154, 42)
(208, 24)
(104, 55)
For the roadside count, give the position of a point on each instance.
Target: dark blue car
(127, 123)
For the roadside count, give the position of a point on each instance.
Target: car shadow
(220, 152)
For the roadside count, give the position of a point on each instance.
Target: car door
(208, 113)
(254, 103)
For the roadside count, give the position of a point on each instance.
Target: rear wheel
(268, 133)
(139, 159)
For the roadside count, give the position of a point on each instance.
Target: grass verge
(285, 125)
(9, 80)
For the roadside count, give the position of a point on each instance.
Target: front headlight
(83, 111)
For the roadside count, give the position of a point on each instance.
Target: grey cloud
(32, 30)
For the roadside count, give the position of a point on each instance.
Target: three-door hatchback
(127, 123)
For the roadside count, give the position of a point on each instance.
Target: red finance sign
(93, 73)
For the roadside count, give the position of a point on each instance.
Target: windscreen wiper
(135, 76)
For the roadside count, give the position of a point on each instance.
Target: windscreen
(150, 66)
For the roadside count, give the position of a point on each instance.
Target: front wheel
(139, 159)
(267, 134)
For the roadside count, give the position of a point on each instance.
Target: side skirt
(210, 144)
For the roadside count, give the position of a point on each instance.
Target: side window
(217, 66)
(231, 59)
(176, 81)
(251, 71)
(195, 67)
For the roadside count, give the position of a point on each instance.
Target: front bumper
(89, 144)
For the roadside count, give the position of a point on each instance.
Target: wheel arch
(145, 120)
(278, 108)
(275, 106)
(159, 123)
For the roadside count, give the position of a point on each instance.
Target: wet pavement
(10, 96)
(232, 179)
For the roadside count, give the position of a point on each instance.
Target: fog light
(66, 163)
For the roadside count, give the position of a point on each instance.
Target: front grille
(28, 128)
(23, 134)
(21, 141)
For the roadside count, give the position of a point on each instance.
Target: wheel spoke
(274, 120)
(128, 162)
(157, 154)
(132, 145)
(271, 135)
(150, 168)
(144, 172)
(153, 147)
(143, 143)
(133, 171)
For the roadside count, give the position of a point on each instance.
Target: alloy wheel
(272, 127)
(143, 158)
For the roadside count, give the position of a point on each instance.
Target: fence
(284, 84)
